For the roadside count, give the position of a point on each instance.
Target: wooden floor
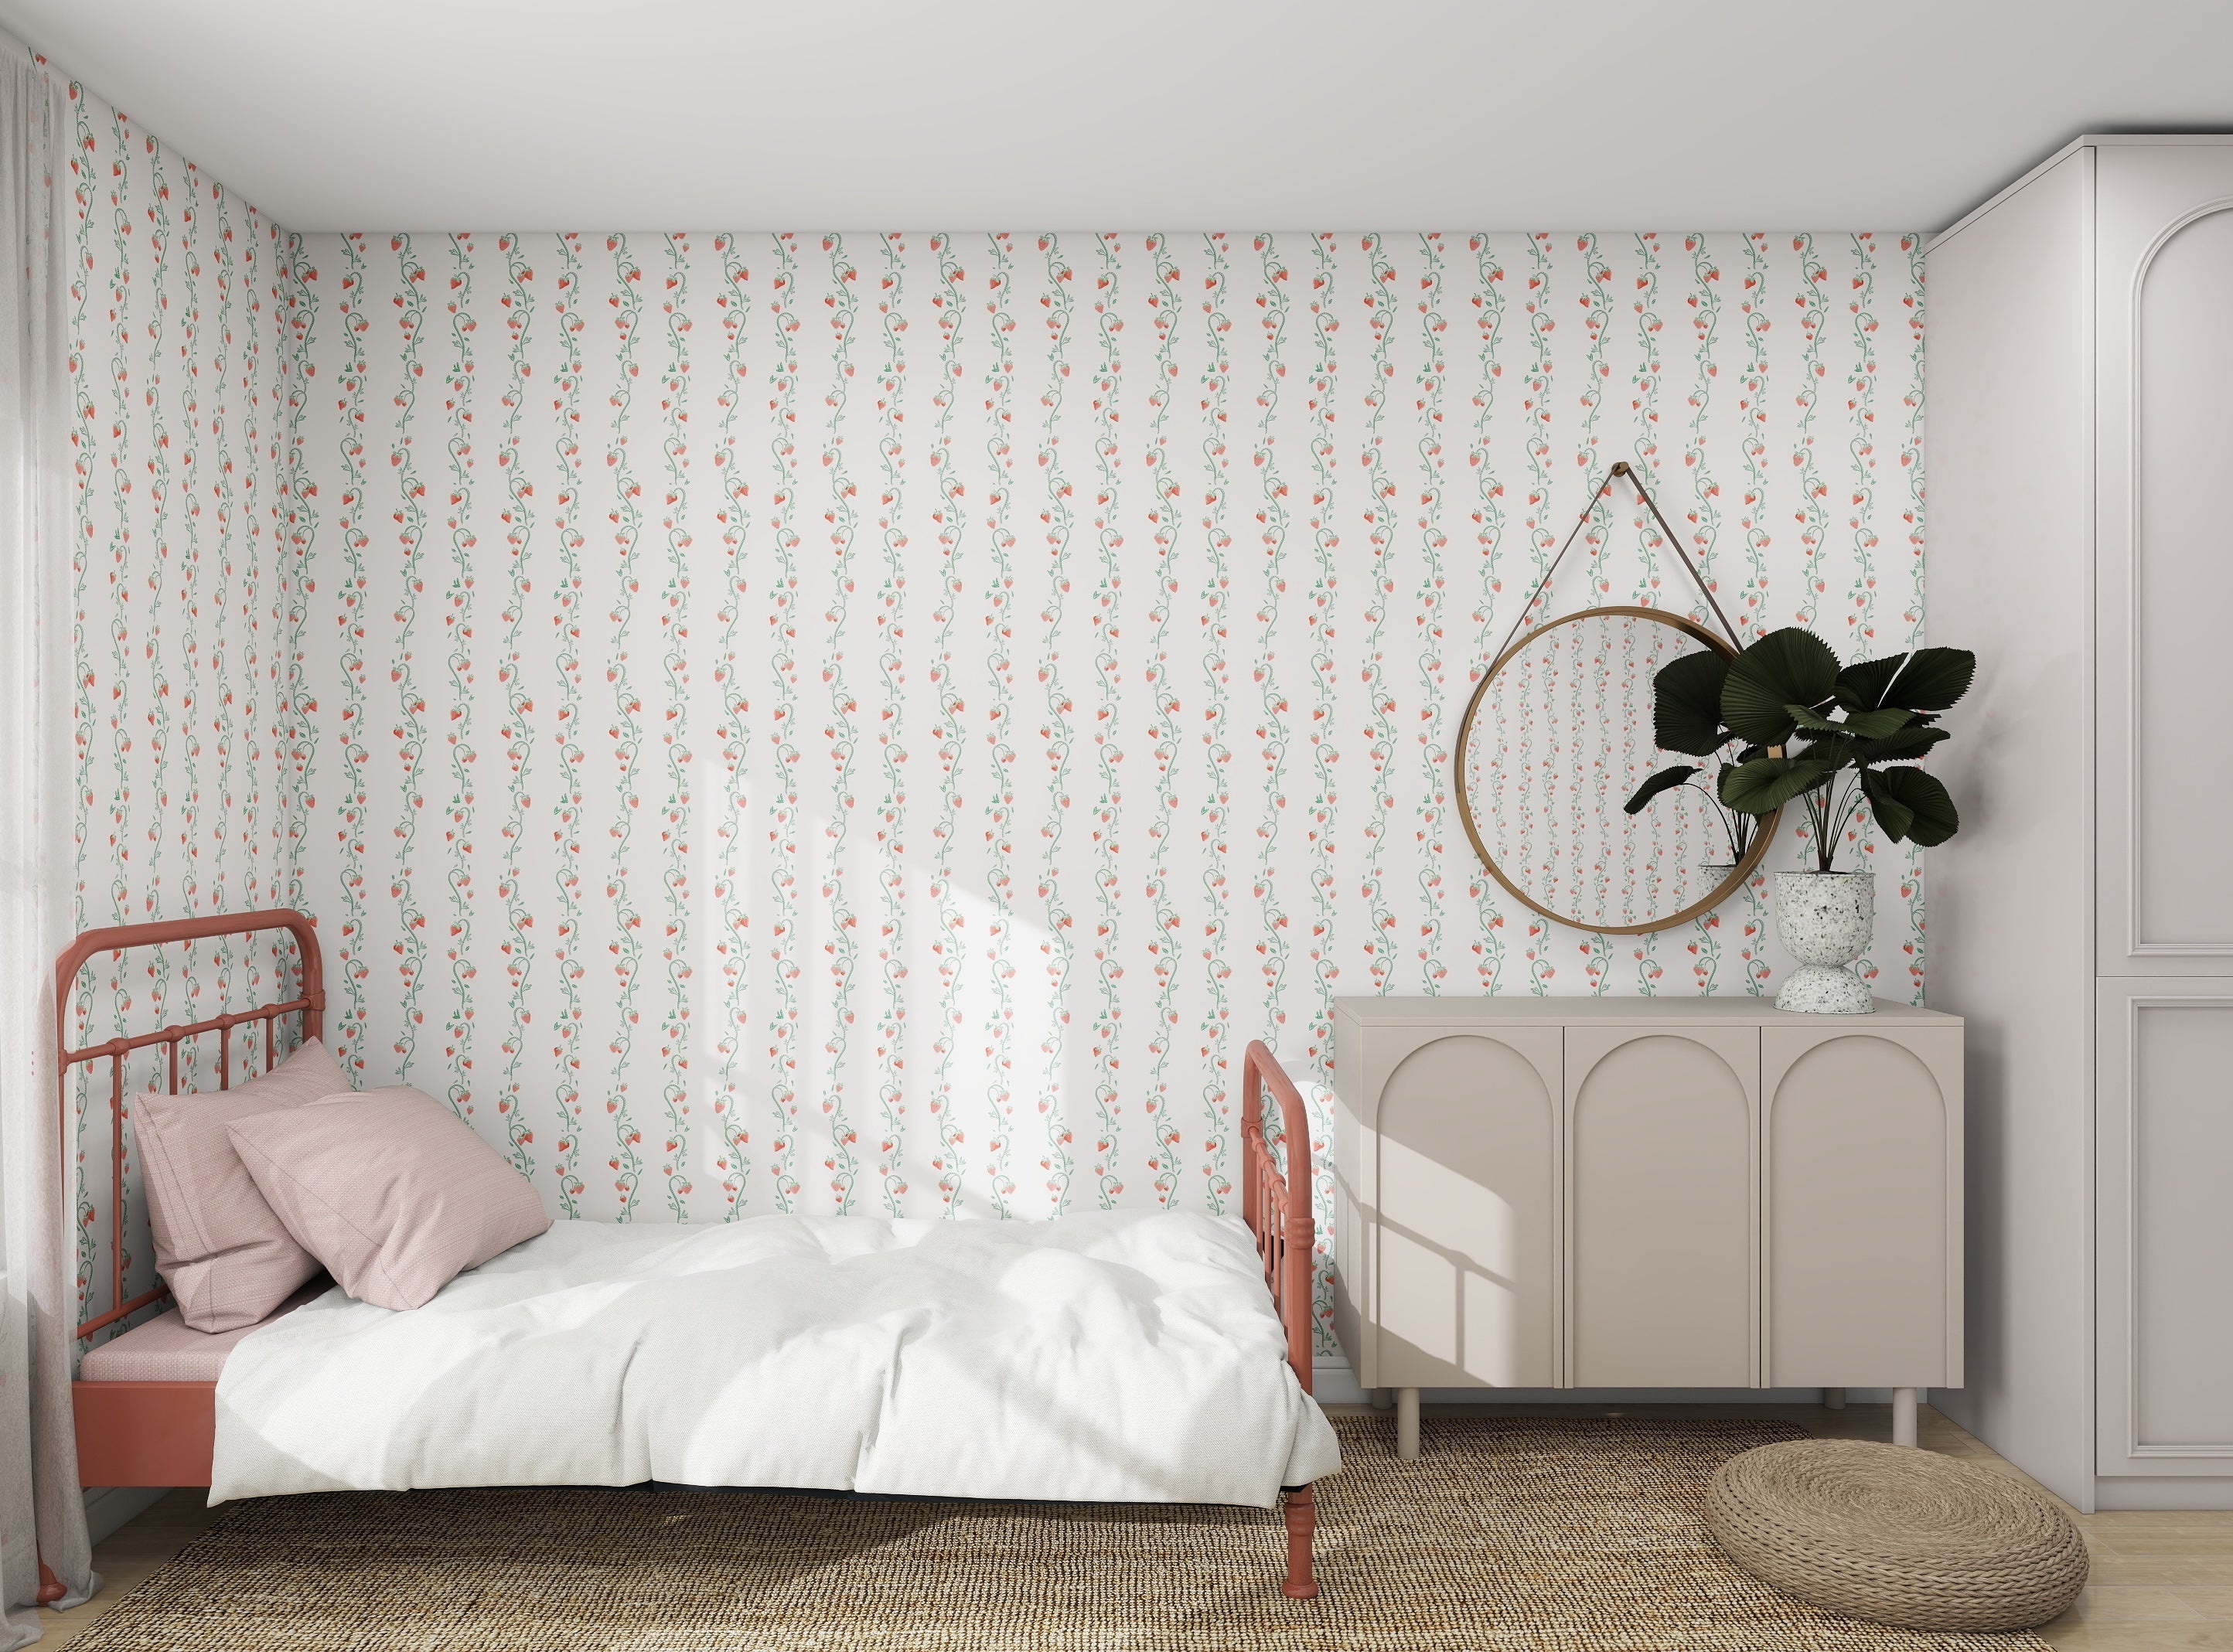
(2159, 1580)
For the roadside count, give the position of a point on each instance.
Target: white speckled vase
(1826, 920)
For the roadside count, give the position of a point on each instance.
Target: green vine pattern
(297, 736)
(1861, 641)
(1642, 846)
(1596, 306)
(352, 946)
(1488, 518)
(1542, 538)
(783, 731)
(678, 810)
(1215, 598)
(843, 1164)
(1751, 621)
(1002, 952)
(1272, 730)
(1107, 805)
(570, 1052)
(625, 730)
(1814, 530)
(518, 729)
(1164, 944)
(891, 665)
(164, 585)
(734, 943)
(950, 518)
(1428, 620)
(1705, 942)
(1379, 697)
(459, 814)
(1060, 1162)
(1325, 687)
(409, 730)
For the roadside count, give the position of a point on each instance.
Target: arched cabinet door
(2163, 558)
(1863, 1150)
(1662, 1240)
(1467, 1129)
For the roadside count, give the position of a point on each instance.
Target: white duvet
(1122, 1356)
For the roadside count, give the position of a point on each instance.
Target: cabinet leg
(1407, 1424)
(1384, 1398)
(1903, 1416)
(1834, 1398)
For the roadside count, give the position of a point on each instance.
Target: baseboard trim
(2163, 1492)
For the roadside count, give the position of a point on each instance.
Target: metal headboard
(311, 1002)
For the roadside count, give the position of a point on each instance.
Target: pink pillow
(225, 1254)
(391, 1190)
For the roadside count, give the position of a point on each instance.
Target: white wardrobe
(2079, 338)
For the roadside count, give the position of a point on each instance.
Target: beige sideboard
(1646, 1193)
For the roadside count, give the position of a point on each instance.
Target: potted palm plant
(1833, 738)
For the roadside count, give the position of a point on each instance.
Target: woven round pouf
(1895, 1535)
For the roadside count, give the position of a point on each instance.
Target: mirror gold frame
(1763, 835)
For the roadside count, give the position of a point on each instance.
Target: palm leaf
(1665, 780)
(1861, 687)
(1910, 742)
(1911, 805)
(1765, 784)
(1686, 713)
(1788, 667)
(1933, 680)
(1857, 726)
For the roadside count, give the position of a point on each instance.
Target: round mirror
(1556, 743)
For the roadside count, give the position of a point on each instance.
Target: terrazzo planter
(1826, 920)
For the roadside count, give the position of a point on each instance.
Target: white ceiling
(1175, 114)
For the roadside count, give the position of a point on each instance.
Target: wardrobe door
(1663, 1256)
(2165, 1226)
(1468, 1139)
(2164, 555)
(2164, 1023)
(1863, 1129)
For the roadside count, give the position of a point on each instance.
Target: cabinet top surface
(1735, 1011)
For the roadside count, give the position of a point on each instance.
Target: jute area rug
(1552, 1535)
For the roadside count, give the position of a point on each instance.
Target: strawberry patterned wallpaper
(874, 723)
(188, 598)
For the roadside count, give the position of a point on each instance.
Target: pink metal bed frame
(157, 1433)
(163, 1434)
(1277, 1211)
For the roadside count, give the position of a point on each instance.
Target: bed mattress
(167, 1349)
(1118, 1356)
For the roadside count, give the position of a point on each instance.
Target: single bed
(1113, 1356)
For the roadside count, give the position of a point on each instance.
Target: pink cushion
(391, 1190)
(224, 1251)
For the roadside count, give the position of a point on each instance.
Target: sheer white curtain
(41, 1512)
